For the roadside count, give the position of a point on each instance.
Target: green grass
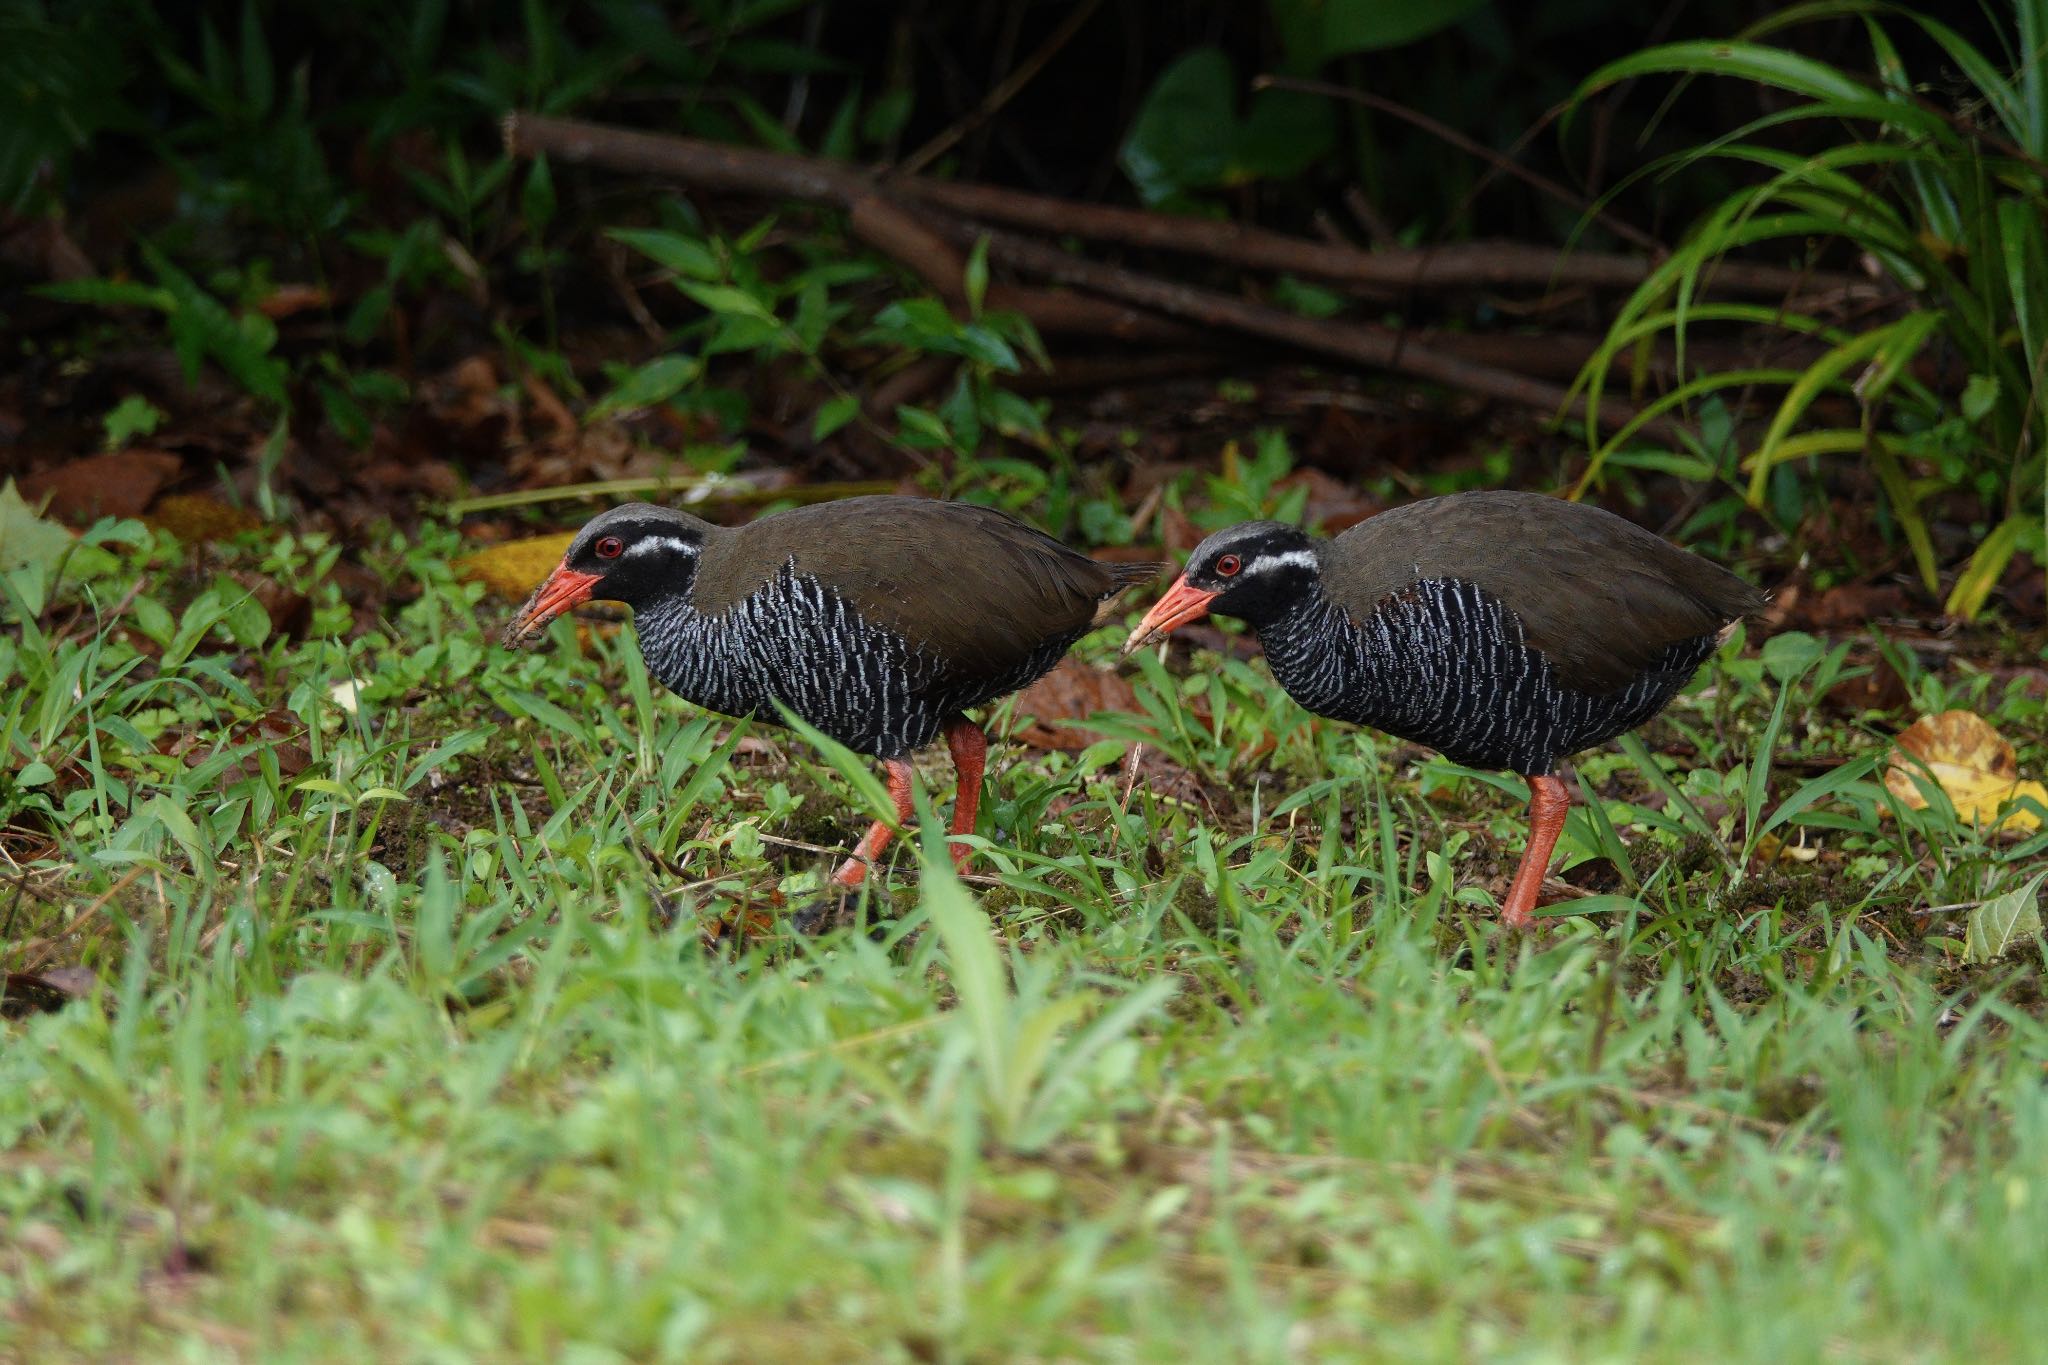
(395, 1057)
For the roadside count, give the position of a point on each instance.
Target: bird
(877, 620)
(1505, 630)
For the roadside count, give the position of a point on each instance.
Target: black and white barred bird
(879, 620)
(1504, 630)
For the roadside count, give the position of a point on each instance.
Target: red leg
(1548, 802)
(970, 758)
(896, 772)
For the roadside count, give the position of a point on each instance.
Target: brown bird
(1504, 630)
(878, 620)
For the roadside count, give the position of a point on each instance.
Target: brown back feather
(974, 586)
(1600, 596)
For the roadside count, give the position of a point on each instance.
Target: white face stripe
(657, 544)
(1290, 559)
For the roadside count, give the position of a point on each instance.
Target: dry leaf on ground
(23, 993)
(120, 484)
(514, 569)
(1974, 765)
(1072, 692)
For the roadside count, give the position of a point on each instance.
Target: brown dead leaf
(197, 519)
(1845, 606)
(278, 730)
(435, 478)
(288, 299)
(1974, 765)
(1072, 692)
(1880, 688)
(45, 992)
(120, 484)
(514, 569)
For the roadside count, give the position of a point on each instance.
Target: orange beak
(564, 589)
(1181, 605)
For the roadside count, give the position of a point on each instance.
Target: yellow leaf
(514, 569)
(1973, 764)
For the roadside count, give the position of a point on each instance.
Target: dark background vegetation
(282, 251)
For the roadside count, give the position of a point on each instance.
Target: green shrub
(1945, 193)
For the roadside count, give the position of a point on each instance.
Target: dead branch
(1362, 343)
(718, 166)
(900, 235)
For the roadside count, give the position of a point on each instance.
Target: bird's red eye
(611, 547)
(1228, 566)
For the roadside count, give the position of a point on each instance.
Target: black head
(636, 554)
(1256, 571)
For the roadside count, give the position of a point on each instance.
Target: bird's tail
(1121, 578)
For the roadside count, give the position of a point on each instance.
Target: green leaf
(133, 416)
(1980, 396)
(1743, 61)
(454, 746)
(109, 294)
(203, 328)
(833, 414)
(1821, 787)
(672, 250)
(537, 200)
(976, 281)
(727, 301)
(1996, 925)
(1884, 349)
(25, 538)
(885, 118)
(653, 383)
(1188, 134)
(247, 622)
(1987, 565)
(259, 86)
(35, 774)
(1787, 656)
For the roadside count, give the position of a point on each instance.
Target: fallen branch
(720, 166)
(1363, 343)
(904, 237)
(921, 245)
(1388, 272)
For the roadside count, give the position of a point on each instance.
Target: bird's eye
(610, 547)
(1228, 566)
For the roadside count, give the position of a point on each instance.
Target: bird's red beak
(1181, 605)
(564, 589)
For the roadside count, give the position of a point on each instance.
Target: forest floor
(377, 992)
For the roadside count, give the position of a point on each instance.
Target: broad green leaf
(653, 383)
(1987, 565)
(1189, 135)
(833, 414)
(1999, 923)
(26, 538)
(684, 255)
(727, 300)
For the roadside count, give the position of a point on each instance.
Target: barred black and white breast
(877, 620)
(1504, 630)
